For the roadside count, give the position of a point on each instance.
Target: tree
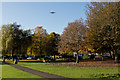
(72, 39)
(0, 42)
(14, 40)
(39, 41)
(10, 38)
(52, 42)
(104, 27)
(25, 42)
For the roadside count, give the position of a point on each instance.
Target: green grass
(72, 72)
(11, 72)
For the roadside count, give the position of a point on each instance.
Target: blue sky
(32, 14)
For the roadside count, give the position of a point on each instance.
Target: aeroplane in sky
(52, 12)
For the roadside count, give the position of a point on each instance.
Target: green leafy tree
(52, 43)
(10, 39)
(0, 42)
(14, 40)
(25, 41)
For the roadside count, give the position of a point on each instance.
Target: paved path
(39, 73)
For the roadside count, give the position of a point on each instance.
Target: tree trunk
(102, 57)
(77, 58)
(12, 55)
(116, 55)
(110, 54)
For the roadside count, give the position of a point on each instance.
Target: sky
(32, 14)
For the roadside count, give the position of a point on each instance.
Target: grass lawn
(73, 72)
(11, 72)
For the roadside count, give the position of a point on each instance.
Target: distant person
(3, 59)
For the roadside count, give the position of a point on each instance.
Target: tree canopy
(14, 40)
(72, 39)
(103, 34)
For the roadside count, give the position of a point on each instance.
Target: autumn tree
(72, 39)
(104, 27)
(39, 41)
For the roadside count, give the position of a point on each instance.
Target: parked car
(20, 58)
(48, 58)
(29, 58)
(60, 57)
